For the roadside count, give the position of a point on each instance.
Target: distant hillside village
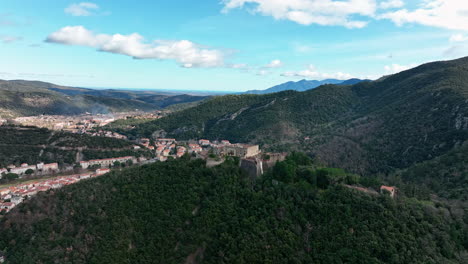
(83, 124)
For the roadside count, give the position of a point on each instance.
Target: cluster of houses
(24, 168)
(52, 168)
(76, 123)
(166, 146)
(85, 123)
(12, 196)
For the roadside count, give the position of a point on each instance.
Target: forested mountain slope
(446, 175)
(370, 127)
(24, 98)
(182, 212)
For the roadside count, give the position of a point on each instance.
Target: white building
(22, 170)
(204, 142)
(50, 167)
(105, 162)
(100, 172)
(16, 199)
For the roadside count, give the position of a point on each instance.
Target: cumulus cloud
(307, 12)
(448, 14)
(396, 68)
(184, 52)
(10, 39)
(274, 64)
(312, 73)
(391, 4)
(81, 9)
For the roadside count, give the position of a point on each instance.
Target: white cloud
(81, 9)
(307, 12)
(448, 14)
(184, 52)
(458, 38)
(10, 39)
(312, 73)
(274, 64)
(391, 4)
(396, 68)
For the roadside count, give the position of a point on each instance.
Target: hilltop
(25, 98)
(183, 212)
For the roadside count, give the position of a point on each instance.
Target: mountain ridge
(303, 85)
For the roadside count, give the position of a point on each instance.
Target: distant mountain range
(303, 85)
(23, 98)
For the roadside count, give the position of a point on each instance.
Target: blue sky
(230, 45)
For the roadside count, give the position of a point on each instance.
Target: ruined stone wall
(253, 167)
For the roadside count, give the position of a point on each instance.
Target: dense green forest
(446, 176)
(181, 211)
(194, 118)
(33, 145)
(368, 128)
